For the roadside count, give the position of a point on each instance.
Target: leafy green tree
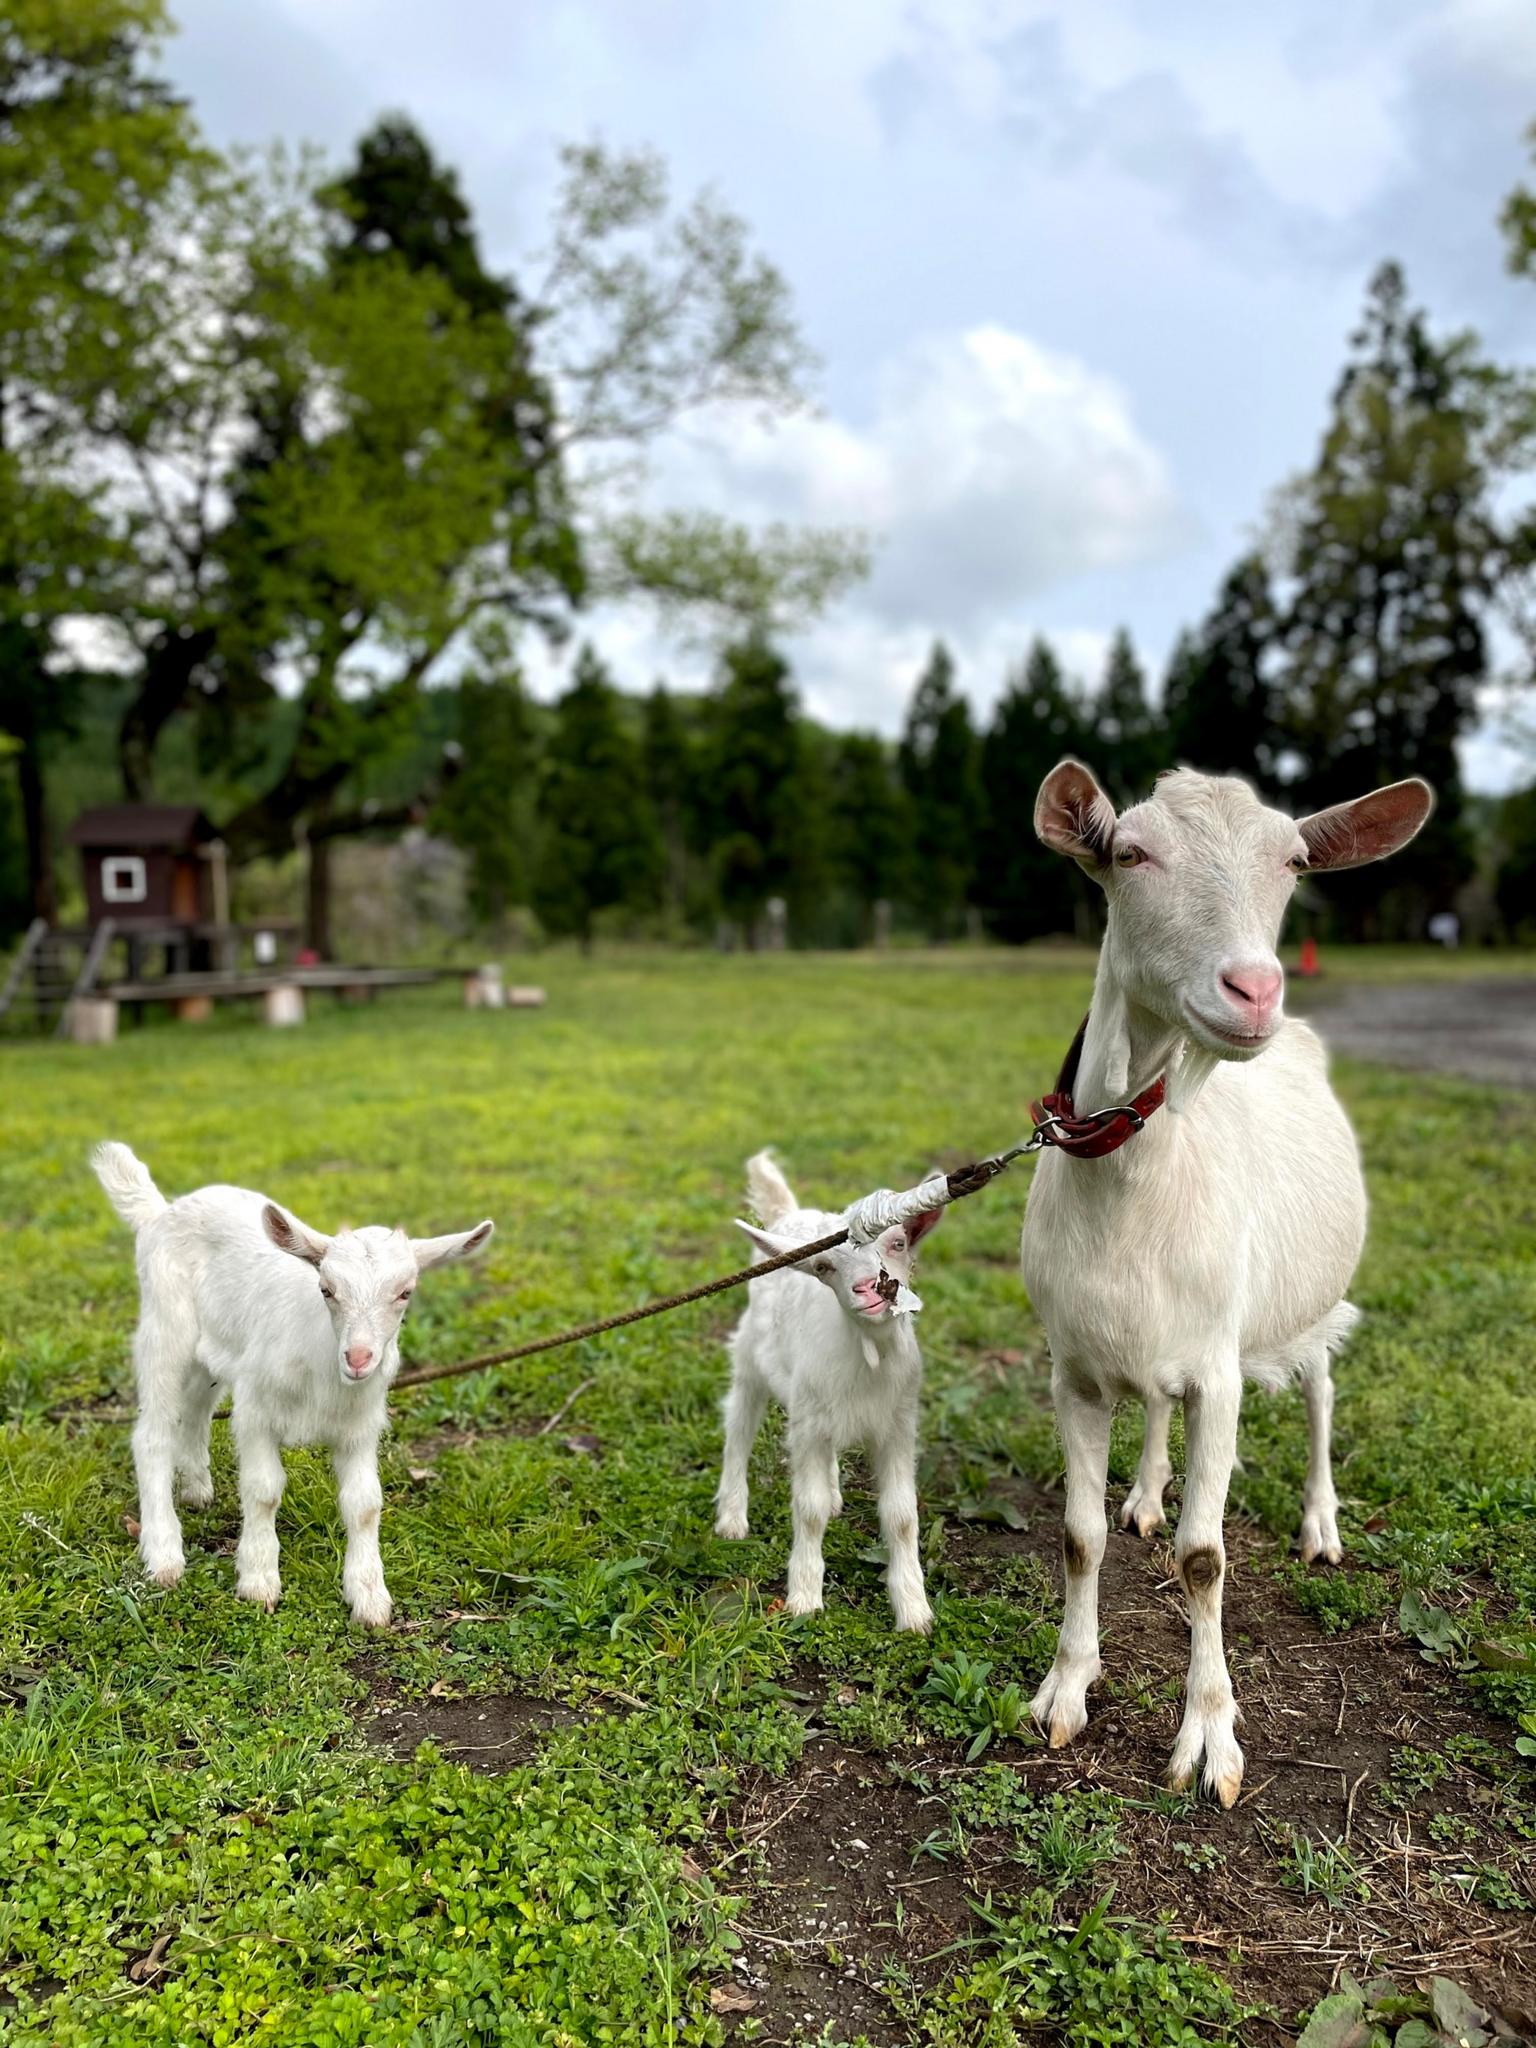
(752, 781)
(601, 846)
(1515, 886)
(1025, 891)
(871, 825)
(490, 807)
(91, 140)
(939, 772)
(1126, 746)
(669, 763)
(1393, 556)
(1218, 699)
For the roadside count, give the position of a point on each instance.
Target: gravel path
(1484, 1030)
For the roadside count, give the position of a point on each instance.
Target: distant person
(1445, 929)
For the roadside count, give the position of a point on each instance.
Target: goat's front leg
(1319, 1502)
(1210, 1713)
(894, 1459)
(1143, 1509)
(1061, 1705)
(261, 1491)
(361, 1501)
(810, 1464)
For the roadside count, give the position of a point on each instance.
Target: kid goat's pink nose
(1255, 991)
(359, 1357)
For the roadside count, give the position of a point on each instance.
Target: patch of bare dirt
(489, 1732)
(836, 1895)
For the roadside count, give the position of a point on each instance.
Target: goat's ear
(921, 1224)
(1073, 815)
(1349, 835)
(769, 1245)
(291, 1236)
(440, 1251)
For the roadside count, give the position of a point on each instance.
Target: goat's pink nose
(1255, 990)
(359, 1357)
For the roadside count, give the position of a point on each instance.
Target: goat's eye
(1129, 856)
(406, 1295)
(822, 1266)
(327, 1293)
(1298, 863)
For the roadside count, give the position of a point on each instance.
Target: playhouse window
(123, 879)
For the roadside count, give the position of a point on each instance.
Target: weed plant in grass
(196, 1839)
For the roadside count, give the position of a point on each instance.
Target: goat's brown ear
(1073, 815)
(289, 1235)
(1370, 828)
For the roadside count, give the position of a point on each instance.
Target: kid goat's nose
(359, 1357)
(1254, 991)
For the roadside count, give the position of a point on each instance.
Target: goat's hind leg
(166, 1368)
(194, 1473)
(743, 1410)
(1143, 1509)
(1060, 1707)
(1319, 1502)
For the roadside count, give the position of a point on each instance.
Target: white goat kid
(827, 1343)
(302, 1330)
(1218, 1243)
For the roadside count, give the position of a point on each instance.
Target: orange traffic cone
(1309, 966)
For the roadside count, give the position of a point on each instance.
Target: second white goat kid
(301, 1329)
(833, 1343)
(1219, 1244)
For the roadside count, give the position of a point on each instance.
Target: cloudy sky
(1081, 279)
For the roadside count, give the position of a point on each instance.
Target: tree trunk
(34, 811)
(317, 913)
(168, 672)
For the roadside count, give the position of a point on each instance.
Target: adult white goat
(301, 1328)
(832, 1342)
(1219, 1241)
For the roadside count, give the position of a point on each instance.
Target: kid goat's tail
(129, 1188)
(767, 1190)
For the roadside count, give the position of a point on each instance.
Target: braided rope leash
(1056, 1123)
(866, 1220)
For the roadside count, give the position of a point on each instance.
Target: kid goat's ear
(1349, 835)
(438, 1251)
(294, 1237)
(1073, 815)
(919, 1227)
(769, 1245)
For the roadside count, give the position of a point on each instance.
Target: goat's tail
(129, 1188)
(768, 1191)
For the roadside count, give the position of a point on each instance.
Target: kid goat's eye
(1298, 863)
(1128, 856)
(822, 1266)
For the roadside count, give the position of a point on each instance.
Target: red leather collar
(1100, 1132)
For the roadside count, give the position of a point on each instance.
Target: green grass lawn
(204, 1835)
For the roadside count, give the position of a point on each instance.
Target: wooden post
(90, 1020)
(284, 1004)
(194, 1009)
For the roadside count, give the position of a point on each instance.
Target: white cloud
(990, 470)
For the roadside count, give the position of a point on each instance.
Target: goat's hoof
(1143, 1510)
(1060, 1708)
(196, 1493)
(803, 1603)
(167, 1573)
(263, 1592)
(373, 1613)
(1211, 1740)
(731, 1527)
(1320, 1539)
(917, 1621)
